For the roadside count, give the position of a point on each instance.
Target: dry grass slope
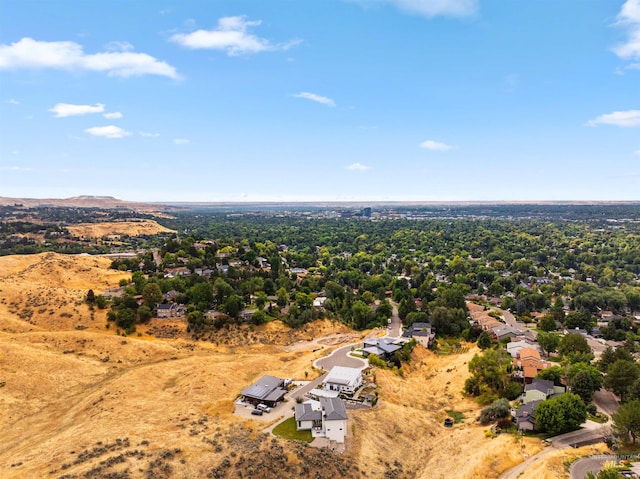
(130, 228)
(88, 403)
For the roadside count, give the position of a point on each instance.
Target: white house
(324, 418)
(342, 379)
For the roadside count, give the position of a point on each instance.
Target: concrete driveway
(340, 357)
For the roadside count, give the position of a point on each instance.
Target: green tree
(592, 371)
(548, 342)
(138, 280)
(547, 323)
(259, 317)
(91, 296)
(126, 318)
(554, 374)
(144, 313)
(573, 343)
(561, 413)
(484, 340)
(621, 375)
(361, 314)
(151, 294)
(496, 410)
(582, 385)
(626, 421)
(233, 305)
(282, 297)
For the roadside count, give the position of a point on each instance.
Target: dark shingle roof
(267, 388)
(304, 412)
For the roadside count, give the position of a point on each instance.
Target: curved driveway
(340, 357)
(580, 468)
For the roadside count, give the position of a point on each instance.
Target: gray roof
(304, 412)
(504, 330)
(421, 326)
(382, 344)
(527, 410)
(333, 409)
(267, 388)
(542, 385)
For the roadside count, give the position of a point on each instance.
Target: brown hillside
(130, 228)
(89, 403)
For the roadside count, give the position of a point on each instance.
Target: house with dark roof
(525, 417)
(423, 333)
(266, 390)
(503, 331)
(540, 390)
(324, 418)
(382, 347)
(169, 310)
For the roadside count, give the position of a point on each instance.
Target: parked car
(256, 412)
(264, 407)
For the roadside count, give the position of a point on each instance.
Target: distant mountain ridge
(83, 201)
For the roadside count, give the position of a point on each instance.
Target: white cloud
(110, 131)
(30, 53)
(147, 134)
(317, 98)
(231, 36)
(12, 101)
(637, 152)
(430, 8)
(436, 146)
(113, 116)
(629, 118)
(629, 18)
(181, 141)
(358, 167)
(62, 110)
(118, 47)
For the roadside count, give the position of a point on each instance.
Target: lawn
(287, 430)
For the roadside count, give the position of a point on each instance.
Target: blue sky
(303, 100)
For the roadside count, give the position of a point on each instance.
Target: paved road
(395, 328)
(580, 468)
(606, 401)
(340, 357)
(515, 472)
(301, 391)
(510, 319)
(596, 346)
(590, 431)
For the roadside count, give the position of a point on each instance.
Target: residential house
(514, 347)
(324, 418)
(423, 333)
(384, 348)
(528, 364)
(525, 417)
(343, 379)
(180, 271)
(266, 390)
(580, 331)
(169, 310)
(540, 390)
(503, 331)
(319, 302)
